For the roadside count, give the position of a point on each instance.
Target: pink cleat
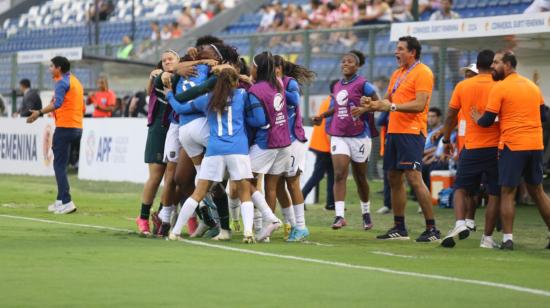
(143, 226)
(192, 225)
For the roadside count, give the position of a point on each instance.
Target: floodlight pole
(133, 20)
(96, 13)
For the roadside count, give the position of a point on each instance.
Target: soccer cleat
(223, 235)
(268, 230)
(143, 226)
(298, 235)
(394, 234)
(329, 207)
(339, 222)
(212, 232)
(508, 245)
(54, 206)
(206, 217)
(236, 225)
(462, 231)
(201, 230)
(248, 238)
(471, 226)
(66, 208)
(429, 236)
(175, 237)
(163, 230)
(287, 228)
(487, 242)
(383, 210)
(367, 222)
(156, 222)
(192, 225)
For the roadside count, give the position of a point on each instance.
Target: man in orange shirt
(479, 156)
(68, 108)
(407, 100)
(104, 100)
(518, 103)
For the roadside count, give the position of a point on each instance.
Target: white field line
(311, 260)
(392, 254)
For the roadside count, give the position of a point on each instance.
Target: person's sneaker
(428, 236)
(419, 211)
(298, 235)
(329, 207)
(175, 237)
(383, 210)
(508, 245)
(268, 230)
(201, 230)
(163, 230)
(461, 231)
(287, 229)
(487, 242)
(248, 238)
(339, 222)
(367, 222)
(212, 232)
(394, 234)
(471, 226)
(143, 226)
(236, 226)
(156, 222)
(66, 208)
(54, 206)
(223, 235)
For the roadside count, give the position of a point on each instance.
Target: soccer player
(227, 148)
(67, 106)
(480, 154)
(407, 100)
(518, 104)
(351, 128)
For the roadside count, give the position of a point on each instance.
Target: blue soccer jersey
(292, 95)
(184, 84)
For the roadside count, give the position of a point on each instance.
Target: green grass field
(57, 265)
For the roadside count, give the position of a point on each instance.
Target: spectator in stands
(186, 21)
(175, 30)
(31, 99)
(538, 6)
(165, 33)
(377, 12)
(104, 100)
(106, 8)
(137, 105)
(155, 31)
(200, 16)
(317, 15)
(400, 10)
(127, 49)
(2, 105)
(268, 14)
(453, 55)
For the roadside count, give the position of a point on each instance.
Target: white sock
(186, 212)
(247, 212)
(460, 223)
(339, 208)
(166, 212)
(288, 216)
(260, 203)
(258, 221)
(470, 223)
(234, 208)
(506, 237)
(365, 207)
(300, 216)
(487, 238)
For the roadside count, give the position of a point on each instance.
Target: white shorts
(172, 145)
(213, 167)
(194, 136)
(357, 148)
(269, 161)
(297, 158)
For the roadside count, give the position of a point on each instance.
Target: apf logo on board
(90, 147)
(105, 149)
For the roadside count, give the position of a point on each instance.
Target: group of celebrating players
(217, 127)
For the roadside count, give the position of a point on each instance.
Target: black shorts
(478, 166)
(512, 165)
(404, 152)
(154, 146)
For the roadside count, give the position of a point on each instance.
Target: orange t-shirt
(320, 141)
(71, 111)
(474, 92)
(517, 102)
(103, 99)
(419, 79)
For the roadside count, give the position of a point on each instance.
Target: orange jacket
(320, 141)
(68, 102)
